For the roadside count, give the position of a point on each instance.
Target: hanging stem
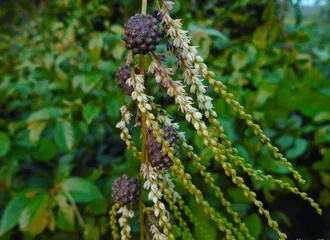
(144, 135)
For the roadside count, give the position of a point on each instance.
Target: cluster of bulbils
(142, 35)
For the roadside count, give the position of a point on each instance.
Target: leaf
(95, 48)
(34, 218)
(4, 144)
(274, 166)
(299, 148)
(237, 195)
(65, 135)
(91, 112)
(65, 216)
(46, 150)
(12, 212)
(322, 135)
(254, 225)
(81, 190)
(204, 230)
(322, 117)
(45, 114)
(285, 141)
(239, 60)
(35, 130)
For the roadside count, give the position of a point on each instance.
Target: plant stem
(75, 208)
(144, 6)
(144, 134)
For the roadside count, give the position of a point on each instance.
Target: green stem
(144, 134)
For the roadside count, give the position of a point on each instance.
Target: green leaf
(65, 216)
(65, 135)
(285, 141)
(81, 190)
(274, 166)
(4, 144)
(95, 48)
(237, 195)
(322, 135)
(35, 130)
(299, 148)
(91, 112)
(12, 212)
(45, 114)
(204, 230)
(34, 218)
(322, 117)
(239, 60)
(46, 150)
(254, 225)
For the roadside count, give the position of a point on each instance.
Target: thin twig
(81, 221)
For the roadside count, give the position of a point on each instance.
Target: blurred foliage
(59, 105)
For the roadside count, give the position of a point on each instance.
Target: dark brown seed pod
(142, 34)
(124, 73)
(157, 158)
(126, 190)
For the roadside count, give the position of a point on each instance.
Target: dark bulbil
(124, 73)
(157, 158)
(126, 190)
(142, 34)
(152, 220)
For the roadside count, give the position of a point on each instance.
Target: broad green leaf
(322, 117)
(91, 230)
(91, 112)
(95, 48)
(65, 135)
(206, 229)
(325, 178)
(12, 212)
(237, 195)
(322, 135)
(253, 223)
(4, 144)
(299, 148)
(325, 198)
(45, 151)
(35, 130)
(81, 190)
(45, 114)
(65, 215)
(273, 166)
(239, 60)
(35, 216)
(284, 141)
(64, 168)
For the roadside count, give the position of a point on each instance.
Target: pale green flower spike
(189, 94)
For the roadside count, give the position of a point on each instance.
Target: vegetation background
(59, 104)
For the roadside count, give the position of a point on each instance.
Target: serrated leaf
(91, 112)
(65, 135)
(34, 218)
(81, 190)
(35, 130)
(45, 114)
(12, 212)
(4, 144)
